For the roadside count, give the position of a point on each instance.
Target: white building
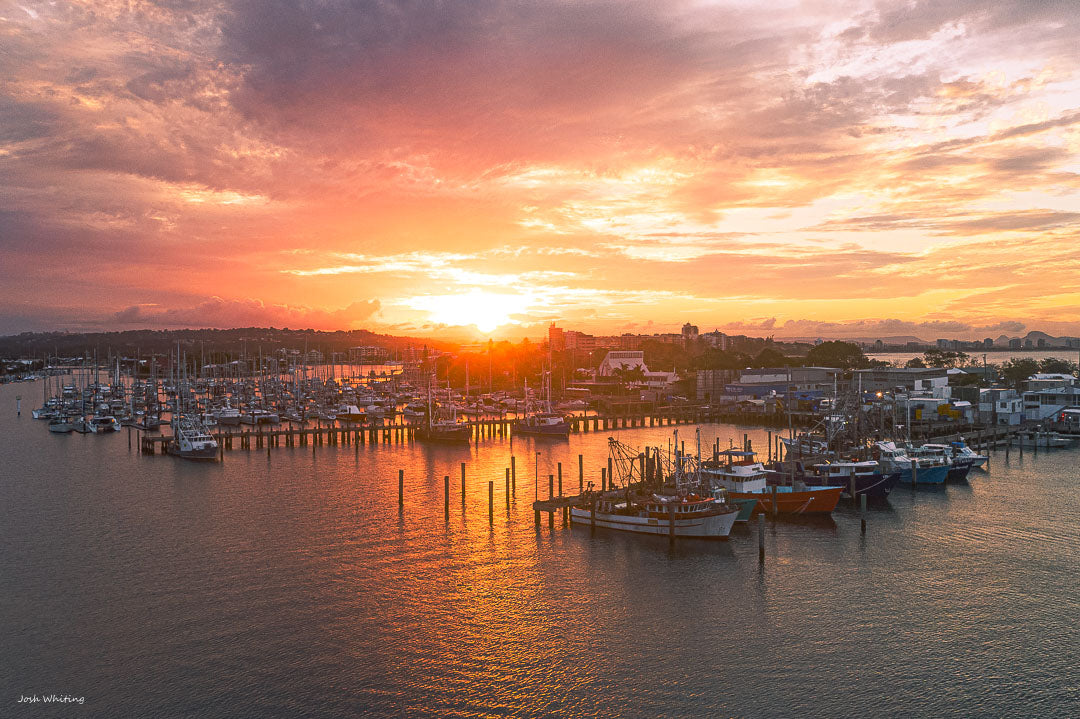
(626, 360)
(1045, 403)
(1001, 406)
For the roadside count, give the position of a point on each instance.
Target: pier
(302, 436)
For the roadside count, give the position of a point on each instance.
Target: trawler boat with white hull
(191, 439)
(693, 516)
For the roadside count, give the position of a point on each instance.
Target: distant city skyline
(465, 170)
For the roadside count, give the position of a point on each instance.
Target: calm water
(998, 357)
(293, 587)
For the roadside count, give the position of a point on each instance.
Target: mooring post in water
(129, 439)
(610, 476)
(761, 538)
(862, 512)
(603, 479)
(401, 488)
(581, 473)
(463, 485)
(446, 495)
(508, 490)
(513, 474)
(560, 479)
(491, 503)
(914, 473)
(671, 524)
(551, 495)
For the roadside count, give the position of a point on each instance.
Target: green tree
(842, 355)
(944, 358)
(916, 362)
(1016, 371)
(1052, 365)
(770, 357)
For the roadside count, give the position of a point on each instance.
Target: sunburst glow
(486, 311)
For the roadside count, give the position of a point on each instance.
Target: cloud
(873, 328)
(216, 312)
(611, 162)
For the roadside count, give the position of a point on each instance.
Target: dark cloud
(216, 312)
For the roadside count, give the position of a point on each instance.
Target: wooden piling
(914, 473)
(513, 475)
(560, 479)
(581, 473)
(507, 490)
(446, 495)
(761, 538)
(491, 503)
(671, 524)
(862, 512)
(463, 485)
(401, 488)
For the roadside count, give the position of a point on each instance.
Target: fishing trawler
(737, 472)
(868, 477)
(191, 439)
(692, 515)
(895, 459)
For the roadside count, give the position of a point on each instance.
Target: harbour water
(293, 586)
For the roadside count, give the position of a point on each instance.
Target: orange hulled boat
(743, 477)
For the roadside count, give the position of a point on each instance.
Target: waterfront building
(1000, 406)
(908, 379)
(1042, 404)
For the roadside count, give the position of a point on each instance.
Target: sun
(484, 310)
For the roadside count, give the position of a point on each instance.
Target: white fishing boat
(692, 516)
(960, 450)
(191, 439)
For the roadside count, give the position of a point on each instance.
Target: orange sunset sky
(826, 168)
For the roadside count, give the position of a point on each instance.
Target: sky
(823, 168)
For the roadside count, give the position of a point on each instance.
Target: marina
(342, 549)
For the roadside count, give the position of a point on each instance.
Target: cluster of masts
(195, 406)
